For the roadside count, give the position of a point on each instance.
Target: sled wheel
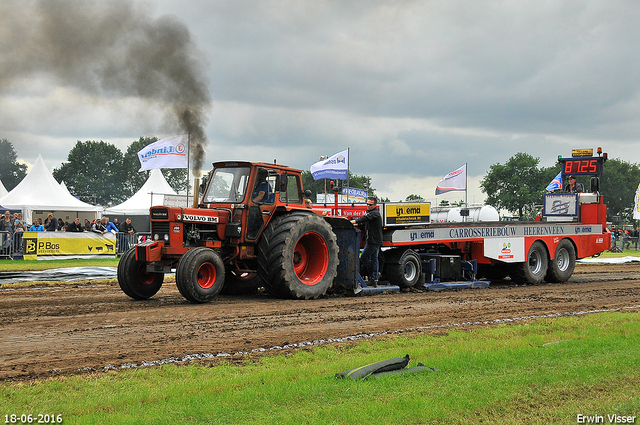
(134, 279)
(237, 283)
(298, 256)
(405, 272)
(200, 275)
(561, 267)
(534, 269)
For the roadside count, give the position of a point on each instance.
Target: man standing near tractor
(373, 229)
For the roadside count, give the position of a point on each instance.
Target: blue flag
(335, 167)
(555, 183)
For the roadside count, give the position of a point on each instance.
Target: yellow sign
(398, 213)
(68, 245)
(581, 152)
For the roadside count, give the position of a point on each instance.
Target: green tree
(515, 186)
(11, 173)
(94, 173)
(414, 197)
(618, 186)
(133, 179)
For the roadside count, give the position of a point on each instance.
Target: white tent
(150, 194)
(39, 191)
(3, 190)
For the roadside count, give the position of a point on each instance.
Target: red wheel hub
(144, 277)
(310, 258)
(206, 275)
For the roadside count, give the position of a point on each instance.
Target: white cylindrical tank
(476, 214)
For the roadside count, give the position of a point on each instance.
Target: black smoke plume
(109, 48)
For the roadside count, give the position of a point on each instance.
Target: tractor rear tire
(298, 256)
(561, 267)
(405, 271)
(134, 279)
(200, 275)
(534, 269)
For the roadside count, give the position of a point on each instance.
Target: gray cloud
(414, 88)
(108, 49)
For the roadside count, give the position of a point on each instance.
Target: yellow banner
(48, 245)
(401, 213)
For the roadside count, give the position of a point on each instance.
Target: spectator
(116, 224)
(19, 225)
(87, 225)
(61, 224)
(626, 241)
(308, 203)
(103, 226)
(51, 224)
(99, 226)
(110, 227)
(127, 227)
(128, 230)
(6, 225)
(372, 222)
(36, 226)
(75, 226)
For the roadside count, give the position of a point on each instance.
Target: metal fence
(11, 246)
(124, 241)
(7, 245)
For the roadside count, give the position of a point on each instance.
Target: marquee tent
(3, 190)
(150, 194)
(39, 192)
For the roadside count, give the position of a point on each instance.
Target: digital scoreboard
(582, 166)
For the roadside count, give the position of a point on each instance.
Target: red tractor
(251, 229)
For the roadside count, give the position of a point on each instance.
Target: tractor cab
(253, 193)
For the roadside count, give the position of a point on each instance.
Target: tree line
(100, 173)
(96, 172)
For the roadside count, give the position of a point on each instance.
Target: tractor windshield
(228, 185)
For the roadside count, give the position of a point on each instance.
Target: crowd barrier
(60, 245)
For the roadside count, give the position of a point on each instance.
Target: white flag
(455, 180)
(636, 208)
(170, 152)
(335, 167)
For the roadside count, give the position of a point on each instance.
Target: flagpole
(348, 161)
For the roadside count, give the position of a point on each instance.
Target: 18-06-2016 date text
(40, 418)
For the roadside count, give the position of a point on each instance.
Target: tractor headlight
(156, 237)
(166, 237)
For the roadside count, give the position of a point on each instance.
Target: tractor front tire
(200, 275)
(298, 256)
(134, 279)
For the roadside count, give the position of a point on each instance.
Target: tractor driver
(262, 190)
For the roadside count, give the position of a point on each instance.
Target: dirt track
(91, 326)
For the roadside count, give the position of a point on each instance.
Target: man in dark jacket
(75, 226)
(372, 222)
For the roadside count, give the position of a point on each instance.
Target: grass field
(542, 372)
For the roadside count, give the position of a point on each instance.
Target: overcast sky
(415, 89)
